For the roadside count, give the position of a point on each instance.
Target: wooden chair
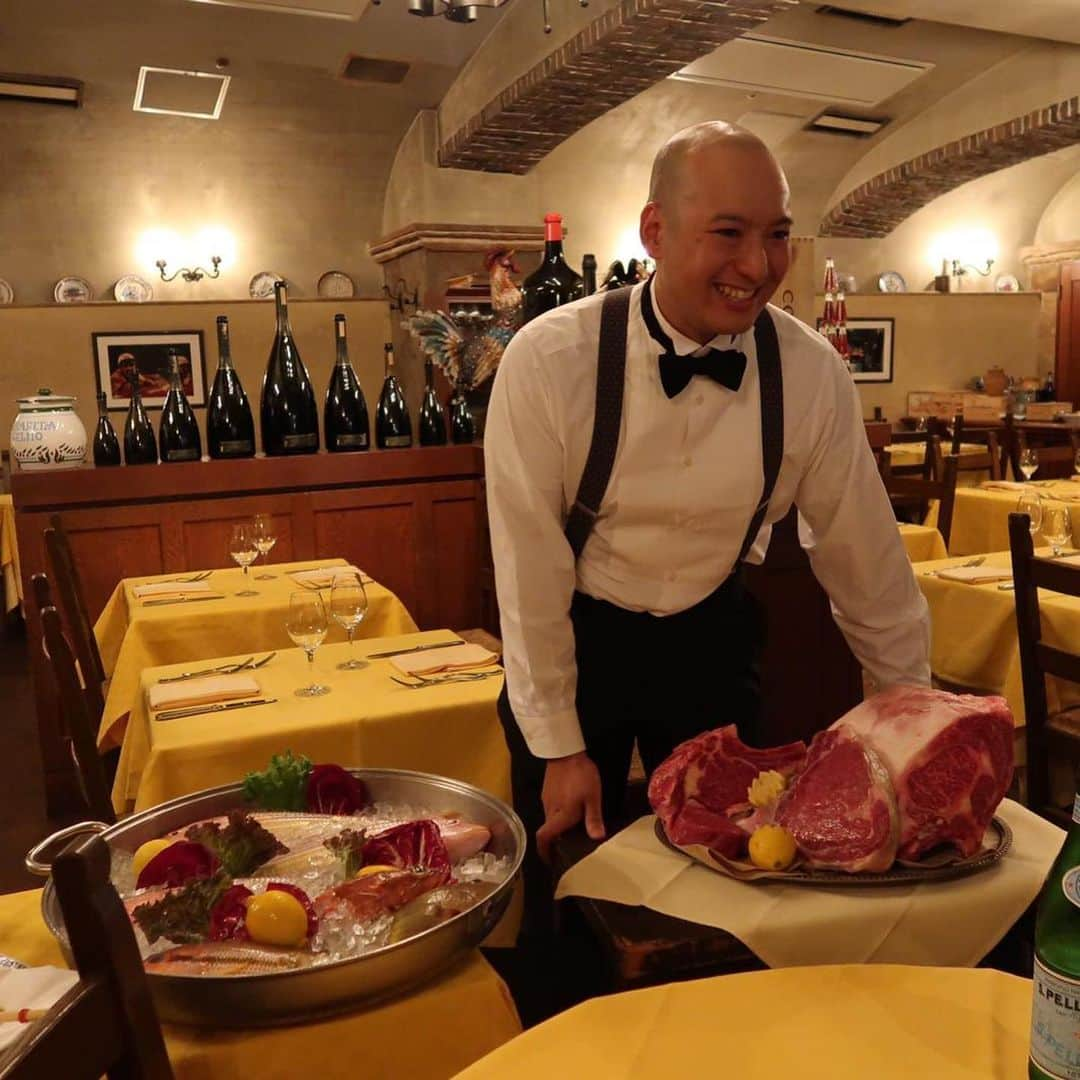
(1047, 737)
(105, 1025)
(69, 590)
(81, 722)
(917, 491)
(992, 462)
(1057, 453)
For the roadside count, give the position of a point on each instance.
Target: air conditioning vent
(860, 16)
(199, 94)
(860, 127)
(42, 89)
(371, 69)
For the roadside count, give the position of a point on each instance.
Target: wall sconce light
(191, 275)
(399, 298)
(960, 269)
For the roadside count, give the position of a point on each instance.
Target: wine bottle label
(1055, 1024)
(1076, 808)
(359, 440)
(298, 442)
(392, 441)
(1070, 885)
(236, 446)
(190, 454)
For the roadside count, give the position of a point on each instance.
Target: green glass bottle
(1055, 1014)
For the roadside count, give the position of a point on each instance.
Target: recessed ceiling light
(171, 92)
(41, 89)
(835, 124)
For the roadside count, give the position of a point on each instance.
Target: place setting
(224, 688)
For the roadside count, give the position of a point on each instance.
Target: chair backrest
(928, 468)
(80, 722)
(1057, 457)
(106, 1024)
(957, 433)
(69, 589)
(1037, 659)
(992, 462)
(916, 490)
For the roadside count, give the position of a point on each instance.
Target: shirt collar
(687, 346)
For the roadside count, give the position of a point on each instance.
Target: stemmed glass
(1076, 465)
(1056, 528)
(265, 539)
(1031, 504)
(242, 549)
(1029, 463)
(306, 624)
(348, 605)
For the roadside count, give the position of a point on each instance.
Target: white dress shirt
(686, 480)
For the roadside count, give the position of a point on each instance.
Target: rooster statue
(467, 347)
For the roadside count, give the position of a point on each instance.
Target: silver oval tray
(996, 843)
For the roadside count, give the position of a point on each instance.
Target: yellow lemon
(276, 918)
(365, 871)
(145, 852)
(766, 788)
(772, 847)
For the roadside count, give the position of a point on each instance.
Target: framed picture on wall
(870, 349)
(120, 355)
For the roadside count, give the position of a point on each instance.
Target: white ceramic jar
(47, 433)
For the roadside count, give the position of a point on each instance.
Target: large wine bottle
(140, 446)
(290, 416)
(588, 273)
(553, 282)
(345, 415)
(393, 428)
(178, 434)
(106, 443)
(432, 417)
(230, 428)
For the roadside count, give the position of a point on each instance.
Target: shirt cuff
(554, 736)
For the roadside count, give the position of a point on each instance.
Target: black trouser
(659, 680)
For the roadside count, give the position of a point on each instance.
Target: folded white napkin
(169, 588)
(452, 658)
(325, 575)
(975, 575)
(1002, 485)
(207, 691)
(31, 988)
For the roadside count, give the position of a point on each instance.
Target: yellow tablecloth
(133, 637)
(922, 542)
(973, 635)
(981, 516)
(9, 555)
(427, 1035)
(906, 455)
(816, 1023)
(366, 719)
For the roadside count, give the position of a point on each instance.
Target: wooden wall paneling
(455, 557)
(206, 526)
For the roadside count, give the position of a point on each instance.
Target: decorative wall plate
(847, 283)
(1006, 283)
(261, 286)
(7, 293)
(337, 285)
(132, 289)
(891, 281)
(72, 290)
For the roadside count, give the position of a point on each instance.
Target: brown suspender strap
(610, 380)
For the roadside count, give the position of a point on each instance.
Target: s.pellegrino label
(1055, 1024)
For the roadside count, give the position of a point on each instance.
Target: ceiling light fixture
(41, 89)
(465, 11)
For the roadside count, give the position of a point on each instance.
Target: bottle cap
(551, 218)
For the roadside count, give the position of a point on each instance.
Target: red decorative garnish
(179, 863)
(305, 901)
(227, 916)
(414, 844)
(333, 790)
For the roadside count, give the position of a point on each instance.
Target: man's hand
(571, 792)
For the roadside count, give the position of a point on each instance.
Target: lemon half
(276, 917)
(772, 847)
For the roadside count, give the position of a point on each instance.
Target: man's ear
(651, 230)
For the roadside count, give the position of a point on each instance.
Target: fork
(977, 561)
(254, 666)
(224, 669)
(202, 575)
(465, 676)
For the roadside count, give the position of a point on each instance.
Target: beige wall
(1060, 222)
(51, 346)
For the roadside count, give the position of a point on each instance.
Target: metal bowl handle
(33, 861)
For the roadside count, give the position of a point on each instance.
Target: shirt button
(688, 461)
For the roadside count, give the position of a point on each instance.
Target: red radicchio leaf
(228, 915)
(333, 790)
(178, 863)
(416, 843)
(305, 900)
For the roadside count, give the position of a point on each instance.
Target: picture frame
(148, 351)
(870, 349)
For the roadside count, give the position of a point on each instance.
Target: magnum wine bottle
(140, 446)
(432, 418)
(178, 435)
(230, 428)
(1055, 1014)
(290, 416)
(106, 444)
(393, 428)
(345, 415)
(553, 282)
(462, 425)
(588, 273)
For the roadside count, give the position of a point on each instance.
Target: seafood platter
(305, 889)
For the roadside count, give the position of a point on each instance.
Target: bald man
(623, 612)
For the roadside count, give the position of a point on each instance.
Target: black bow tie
(725, 366)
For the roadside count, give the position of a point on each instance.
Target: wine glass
(348, 605)
(1056, 528)
(242, 549)
(265, 539)
(1031, 503)
(306, 624)
(1029, 463)
(1076, 465)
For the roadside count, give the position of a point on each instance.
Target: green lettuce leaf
(281, 786)
(243, 845)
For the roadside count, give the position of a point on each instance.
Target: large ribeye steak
(950, 759)
(840, 808)
(705, 778)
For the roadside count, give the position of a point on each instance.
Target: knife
(221, 706)
(415, 648)
(181, 600)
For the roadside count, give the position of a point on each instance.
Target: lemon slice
(772, 847)
(366, 871)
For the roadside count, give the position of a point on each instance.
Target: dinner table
(909, 455)
(136, 633)
(835, 1022)
(9, 555)
(428, 1034)
(981, 514)
(922, 542)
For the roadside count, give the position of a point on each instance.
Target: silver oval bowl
(290, 996)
